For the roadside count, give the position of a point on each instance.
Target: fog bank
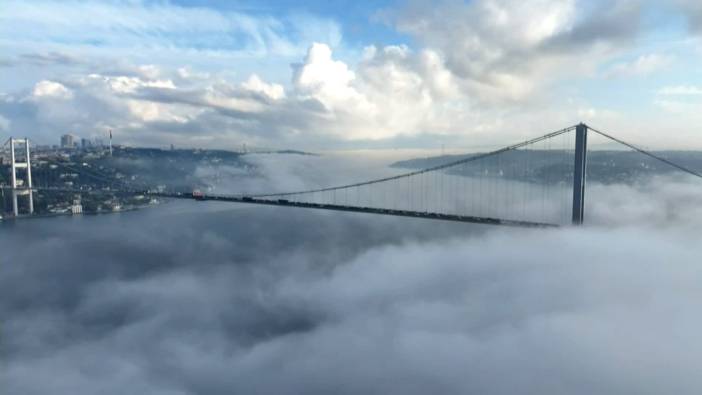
(208, 298)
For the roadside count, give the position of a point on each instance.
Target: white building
(67, 141)
(76, 208)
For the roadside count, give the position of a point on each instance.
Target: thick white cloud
(324, 78)
(122, 84)
(393, 92)
(272, 91)
(51, 89)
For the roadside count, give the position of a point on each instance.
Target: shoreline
(52, 215)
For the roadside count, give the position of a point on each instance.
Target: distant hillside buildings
(69, 141)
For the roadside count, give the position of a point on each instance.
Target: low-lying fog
(208, 298)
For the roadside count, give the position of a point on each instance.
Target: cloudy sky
(344, 74)
(208, 298)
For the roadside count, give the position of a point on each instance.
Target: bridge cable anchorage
(647, 153)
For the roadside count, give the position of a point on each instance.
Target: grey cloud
(197, 97)
(611, 23)
(41, 59)
(493, 58)
(50, 58)
(44, 119)
(692, 11)
(287, 122)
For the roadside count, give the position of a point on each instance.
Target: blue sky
(349, 74)
(358, 19)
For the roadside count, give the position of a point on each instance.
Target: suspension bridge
(540, 182)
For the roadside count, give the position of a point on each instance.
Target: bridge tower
(25, 188)
(579, 174)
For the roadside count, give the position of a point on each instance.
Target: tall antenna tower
(110, 142)
(19, 187)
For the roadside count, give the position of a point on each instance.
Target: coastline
(69, 214)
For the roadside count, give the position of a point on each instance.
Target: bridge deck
(320, 206)
(355, 209)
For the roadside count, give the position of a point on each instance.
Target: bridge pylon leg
(26, 189)
(580, 167)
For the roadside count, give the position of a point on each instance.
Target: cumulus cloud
(394, 91)
(503, 50)
(322, 77)
(124, 84)
(51, 89)
(272, 91)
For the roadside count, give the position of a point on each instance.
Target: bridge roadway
(320, 206)
(355, 209)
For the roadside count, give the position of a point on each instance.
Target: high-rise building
(67, 141)
(85, 143)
